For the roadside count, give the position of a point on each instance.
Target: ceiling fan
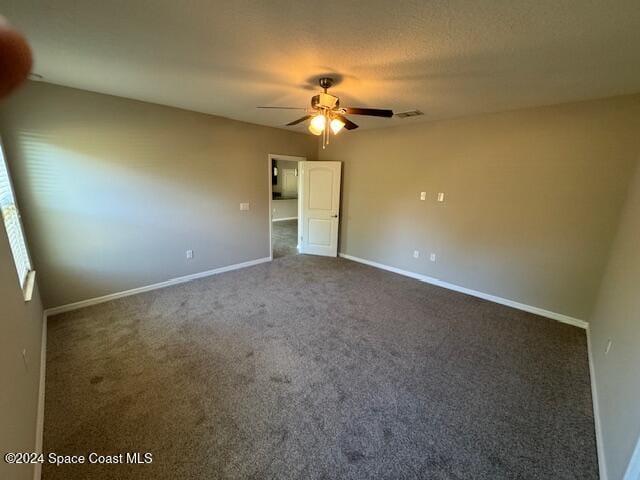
(325, 109)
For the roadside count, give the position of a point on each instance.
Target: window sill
(28, 286)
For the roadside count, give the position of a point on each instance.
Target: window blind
(11, 218)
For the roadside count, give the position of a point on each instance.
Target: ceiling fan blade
(285, 108)
(373, 112)
(301, 119)
(348, 124)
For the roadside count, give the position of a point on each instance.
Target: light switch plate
(440, 197)
(244, 206)
(416, 254)
(432, 257)
(423, 195)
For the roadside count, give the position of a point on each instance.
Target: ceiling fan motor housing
(324, 100)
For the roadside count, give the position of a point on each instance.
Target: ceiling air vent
(409, 113)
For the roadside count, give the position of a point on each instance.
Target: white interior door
(319, 207)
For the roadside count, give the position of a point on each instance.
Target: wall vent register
(409, 113)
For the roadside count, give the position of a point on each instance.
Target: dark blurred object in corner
(15, 58)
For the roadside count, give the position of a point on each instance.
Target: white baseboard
(37, 468)
(492, 298)
(174, 281)
(602, 465)
(284, 219)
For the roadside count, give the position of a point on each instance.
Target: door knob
(334, 216)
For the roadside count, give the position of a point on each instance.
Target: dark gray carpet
(316, 368)
(284, 238)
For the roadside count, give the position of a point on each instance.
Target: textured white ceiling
(446, 58)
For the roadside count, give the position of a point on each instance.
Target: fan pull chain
(325, 133)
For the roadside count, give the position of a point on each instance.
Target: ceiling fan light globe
(336, 125)
(318, 124)
(314, 130)
(319, 121)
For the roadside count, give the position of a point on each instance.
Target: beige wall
(532, 198)
(284, 208)
(114, 191)
(617, 318)
(20, 328)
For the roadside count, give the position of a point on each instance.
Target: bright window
(12, 223)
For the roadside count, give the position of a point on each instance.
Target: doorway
(284, 184)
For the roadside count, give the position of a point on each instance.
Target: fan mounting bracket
(324, 100)
(325, 83)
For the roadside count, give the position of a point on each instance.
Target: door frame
(270, 158)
